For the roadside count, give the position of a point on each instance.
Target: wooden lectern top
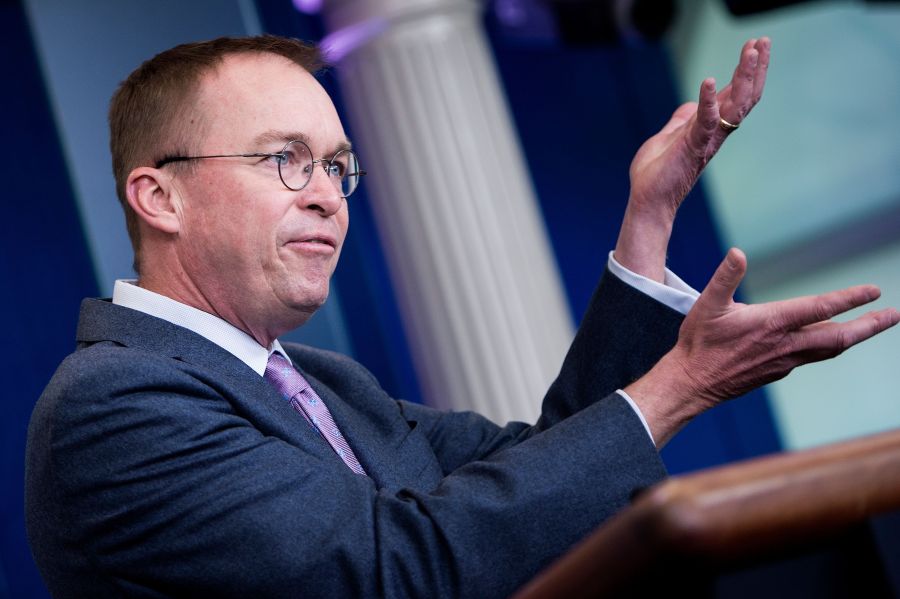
(730, 515)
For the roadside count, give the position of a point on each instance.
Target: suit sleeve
(624, 332)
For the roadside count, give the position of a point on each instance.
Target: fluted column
(480, 294)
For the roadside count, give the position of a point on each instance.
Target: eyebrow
(282, 137)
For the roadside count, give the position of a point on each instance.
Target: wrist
(668, 397)
(654, 212)
(643, 241)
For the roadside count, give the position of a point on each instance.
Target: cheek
(237, 215)
(343, 218)
(213, 231)
(228, 239)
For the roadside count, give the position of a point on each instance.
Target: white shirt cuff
(638, 412)
(673, 292)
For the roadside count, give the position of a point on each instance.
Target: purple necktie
(294, 387)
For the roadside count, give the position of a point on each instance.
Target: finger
(707, 117)
(724, 282)
(802, 311)
(832, 338)
(764, 47)
(740, 100)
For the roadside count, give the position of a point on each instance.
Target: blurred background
(809, 187)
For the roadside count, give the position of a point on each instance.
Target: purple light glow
(338, 44)
(310, 7)
(511, 12)
(530, 20)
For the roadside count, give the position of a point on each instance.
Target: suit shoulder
(109, 365)
(107, 380)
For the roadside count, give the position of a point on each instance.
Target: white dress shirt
(227, 336)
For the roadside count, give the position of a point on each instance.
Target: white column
(480, 294)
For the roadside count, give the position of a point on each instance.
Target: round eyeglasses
(296, 164)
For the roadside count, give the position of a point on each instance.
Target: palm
(668, 164)
(730, 348)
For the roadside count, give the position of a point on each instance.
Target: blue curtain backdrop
(45, 270)
(581, 114)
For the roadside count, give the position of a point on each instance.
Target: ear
(154, 199)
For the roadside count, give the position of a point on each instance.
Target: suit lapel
(255, 399)
(393, 455)
(251, 396)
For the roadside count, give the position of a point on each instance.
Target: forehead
(254, 95)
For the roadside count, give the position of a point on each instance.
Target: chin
(302, 295)
(310, 299)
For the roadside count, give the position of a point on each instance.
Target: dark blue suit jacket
(158, 464)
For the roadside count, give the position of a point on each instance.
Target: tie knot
(284, 377)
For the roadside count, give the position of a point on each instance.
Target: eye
(296, 155)
(337, 169)
(342, 164)
(281, 159)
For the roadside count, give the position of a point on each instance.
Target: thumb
(724, 282)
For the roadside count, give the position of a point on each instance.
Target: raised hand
(668, 164)
(726, 349)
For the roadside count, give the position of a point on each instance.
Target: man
(179, 451)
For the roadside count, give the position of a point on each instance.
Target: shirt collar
(227, 336)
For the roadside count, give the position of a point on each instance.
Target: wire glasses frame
(296, 165)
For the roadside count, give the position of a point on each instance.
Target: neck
(181, 289)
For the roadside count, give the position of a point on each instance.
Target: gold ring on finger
(726, 126)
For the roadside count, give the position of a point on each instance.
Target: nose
(321, 194)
